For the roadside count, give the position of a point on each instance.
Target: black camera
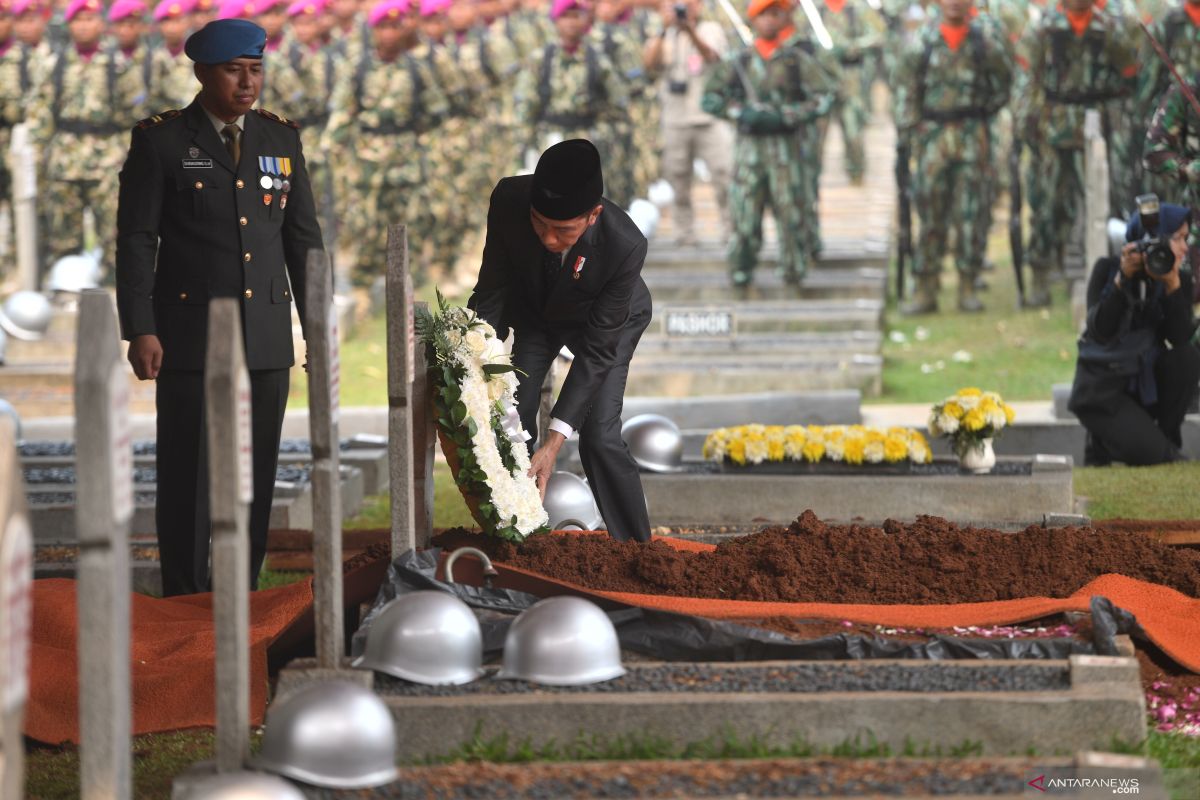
(1156, 253)
(677, 87)
(681, 12)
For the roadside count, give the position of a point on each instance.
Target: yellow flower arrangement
(969, 416)
(851, 444)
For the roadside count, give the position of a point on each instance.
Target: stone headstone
(323, 370)
(22, 157)
(401, 372)
(16, 576)
(1095, 207)
(104, 507)
(230, 485)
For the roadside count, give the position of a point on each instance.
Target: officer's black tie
(230, 133)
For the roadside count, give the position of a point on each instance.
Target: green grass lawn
(1019, 353)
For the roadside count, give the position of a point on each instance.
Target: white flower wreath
(475, 400)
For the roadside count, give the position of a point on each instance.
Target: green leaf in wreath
(472, 428)
(498, 369)
(458, 412)
(487, 509)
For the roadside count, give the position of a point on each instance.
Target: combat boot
(924, 299)
(1039, 293)
(968, 300)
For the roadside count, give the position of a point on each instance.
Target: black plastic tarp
(679, 637)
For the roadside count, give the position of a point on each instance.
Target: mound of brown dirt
(931, 561)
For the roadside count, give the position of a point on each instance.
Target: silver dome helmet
(562, 641)
(569, 502)
(332, 734)
(654, 441)
(26, 315)
(243, 786)
(427, 637)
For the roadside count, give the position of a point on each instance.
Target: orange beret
(756, 7)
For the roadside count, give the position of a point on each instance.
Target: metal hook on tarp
(489, 571)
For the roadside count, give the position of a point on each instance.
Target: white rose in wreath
(493, 350)
(475, 342)
(496, 389)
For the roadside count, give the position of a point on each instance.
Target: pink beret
(173, 8)
(32, 6)
(431, 7)
(121, 9)
(79, 6)
(560, 7)
(307, 7)
(388, 9)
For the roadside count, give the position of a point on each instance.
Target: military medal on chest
(577, 270)
(275, 171)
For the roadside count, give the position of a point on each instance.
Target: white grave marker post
(23, 162)
(323, 392)
(424, 438)
(400, 374)
(230, 490)
(103, 509)
(16, 577)
(1095, 205)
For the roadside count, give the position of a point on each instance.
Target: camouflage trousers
(1125, 140)
(770, 170)
(682, 145)
(948, 195)
(619, 158)
(1054, 187)
(387, 193)
(444, 198)
(646, 115)
(63, 212)
(851, 115)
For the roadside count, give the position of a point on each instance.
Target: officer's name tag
(197, 163)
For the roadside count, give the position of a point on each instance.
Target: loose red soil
(931, 561)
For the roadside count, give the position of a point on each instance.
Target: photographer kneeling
(1137, 369)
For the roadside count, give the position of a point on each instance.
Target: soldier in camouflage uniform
(173, 82)
(487, 65)
(855, 29)
(568, 89)
(381, 106)
(950, 83)
(128, 26)
(80, 118)
(1172, 158)
(315, 65)
(1178, 31)
(1078, 58)
(448, 146)
(348, 30)
(772, 90)
(613, 36)
(10, 101)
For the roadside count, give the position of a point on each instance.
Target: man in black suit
(563, 266)
(215, 202)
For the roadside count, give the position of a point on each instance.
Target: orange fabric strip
(1193, 12)
(1079, 20)
(767, 47)
(954, 35)
(836, 6)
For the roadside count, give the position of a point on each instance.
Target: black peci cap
(567, 182)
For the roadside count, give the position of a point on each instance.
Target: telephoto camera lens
(1159, 259)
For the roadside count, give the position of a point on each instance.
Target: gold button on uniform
(183, 295)
(240, 183)
(243, 221)
(249, 293)
(199, 184)
(246, 257)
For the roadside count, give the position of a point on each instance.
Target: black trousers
(1126, 430)
(182, 514)
(611, 471)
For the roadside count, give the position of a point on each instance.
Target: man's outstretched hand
(541, 464)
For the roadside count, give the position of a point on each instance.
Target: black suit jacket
(191, 227)
(589, 314)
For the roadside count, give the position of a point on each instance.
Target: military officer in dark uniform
(215, 201)
(563, 266)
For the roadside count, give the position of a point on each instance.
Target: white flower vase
(978, 458)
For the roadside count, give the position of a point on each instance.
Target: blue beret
(224, 40)
(1170, 219)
